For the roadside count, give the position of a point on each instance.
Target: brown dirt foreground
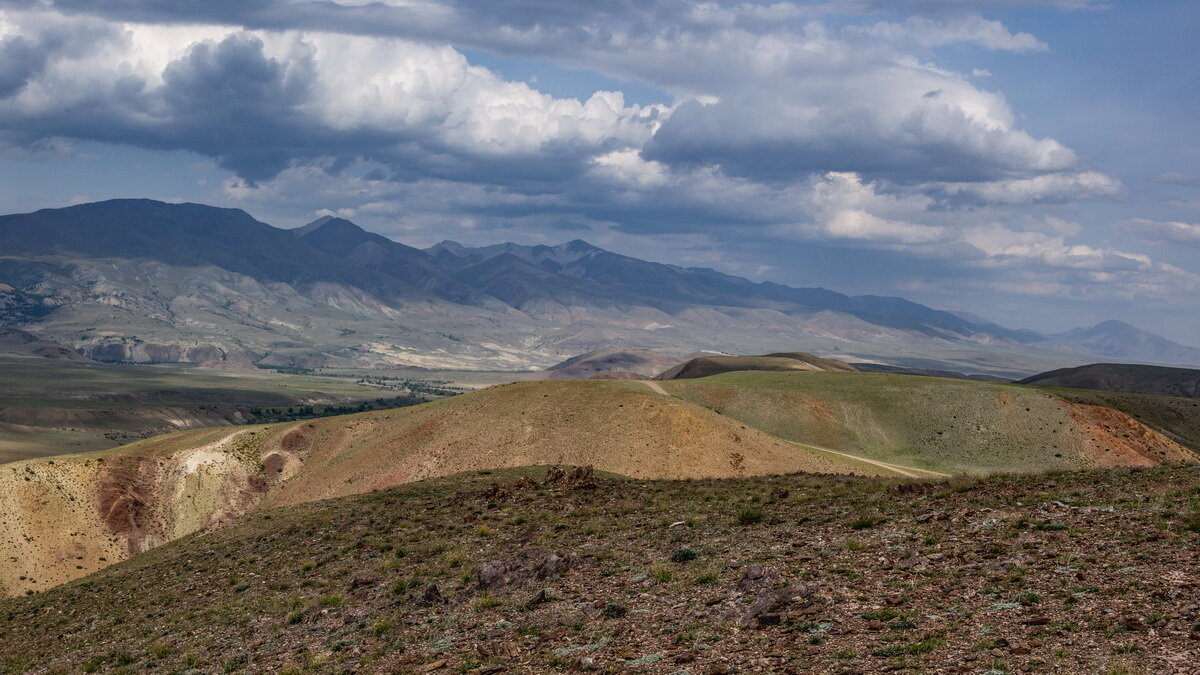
(511, 571)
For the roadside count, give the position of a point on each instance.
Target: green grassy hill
(939, 424)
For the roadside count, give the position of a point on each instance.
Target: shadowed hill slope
(706, 366)
(1126, 377)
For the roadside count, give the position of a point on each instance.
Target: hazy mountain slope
(1127, 377)
(185, 235)
(345, 240)
(1118, 339)
(629, 280)
(144, 281)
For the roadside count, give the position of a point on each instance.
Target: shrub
(614, 610)
(865, 522)
(684, 555)
(750, 516)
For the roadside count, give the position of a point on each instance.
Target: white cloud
(963, 29)
(1163, 233)
(1063, 186)
(844, 207)
(627, 168)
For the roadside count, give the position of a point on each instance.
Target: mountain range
(137, 280)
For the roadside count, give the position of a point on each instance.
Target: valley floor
(511, 571)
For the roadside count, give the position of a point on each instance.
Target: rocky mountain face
(144, 281)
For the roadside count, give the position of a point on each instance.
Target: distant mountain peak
(1114, 324)
(327, 224)
(1118, 339)
(578, 245)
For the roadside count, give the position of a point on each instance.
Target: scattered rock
(431, 596)
(769, 620)
(769, 599)
(530, 564)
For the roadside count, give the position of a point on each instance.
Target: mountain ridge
(109, 276)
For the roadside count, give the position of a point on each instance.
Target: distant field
(52, 407)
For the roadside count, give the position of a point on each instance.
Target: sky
(1035, 162)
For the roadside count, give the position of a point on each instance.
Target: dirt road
(907, 471)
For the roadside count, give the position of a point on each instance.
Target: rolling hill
(613, 363)
(72, 514)
(67, 516)
(1126, 377)
(937, 424)
(705, 366)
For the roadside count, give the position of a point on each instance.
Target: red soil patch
(1111, 438)
(124, 489)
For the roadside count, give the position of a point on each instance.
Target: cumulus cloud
(258, 102)
(844, 207)
(820, 122)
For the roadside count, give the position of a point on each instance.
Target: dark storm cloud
(22, 59)
(253, 114)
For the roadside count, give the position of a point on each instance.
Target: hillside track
(906, 471)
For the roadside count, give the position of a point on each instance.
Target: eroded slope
(70, 515)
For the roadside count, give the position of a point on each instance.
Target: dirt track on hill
(907, 471)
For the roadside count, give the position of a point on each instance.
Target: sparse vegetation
(683, 555)
(351, 604)
(751, 515)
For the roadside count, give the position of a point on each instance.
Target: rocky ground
(516, 571)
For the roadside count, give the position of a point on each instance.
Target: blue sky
(1035, 162)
